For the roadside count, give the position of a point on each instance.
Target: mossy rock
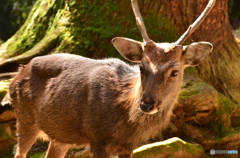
(205, 116)
(197, 101)
(173, 147)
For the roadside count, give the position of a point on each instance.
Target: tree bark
(221, 68)
(78, 27)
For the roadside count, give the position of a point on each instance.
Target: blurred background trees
(13, 14)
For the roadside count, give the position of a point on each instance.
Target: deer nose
(147, 105)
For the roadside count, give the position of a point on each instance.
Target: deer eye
(174, 73)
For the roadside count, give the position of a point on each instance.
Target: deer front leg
(56, 150)
(26, 136)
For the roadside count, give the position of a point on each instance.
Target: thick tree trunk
(78, 27)
(221, 68)
(36, 37)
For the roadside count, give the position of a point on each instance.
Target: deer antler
(139, 20)
(197, 22)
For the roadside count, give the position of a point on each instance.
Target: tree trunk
(78, 27)
(221, 68)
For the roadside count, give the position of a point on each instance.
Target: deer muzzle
(150, 106)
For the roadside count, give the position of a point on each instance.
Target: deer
(107, 104)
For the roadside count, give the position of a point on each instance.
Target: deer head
(162, 64)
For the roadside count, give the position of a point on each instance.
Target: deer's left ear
(128, 48)
(194, 53)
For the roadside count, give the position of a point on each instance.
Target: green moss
(188, 94)
(222, 118)
(89, 27)
(191, 69)
(38, 155)
(170, 148)
(227, 104)
(226, 107)
(3, 134)
(4, 87)
(189, 90)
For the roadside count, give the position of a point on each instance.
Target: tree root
(8, 75)
(41, 48)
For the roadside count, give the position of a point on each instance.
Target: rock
(206, 117)
(173, 147)
(198, 101)
(7, 115)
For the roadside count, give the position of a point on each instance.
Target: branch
(173, 147)
(7, 75)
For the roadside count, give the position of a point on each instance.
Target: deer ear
(128, 48)
(194, 53)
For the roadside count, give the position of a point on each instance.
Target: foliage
(12, 15)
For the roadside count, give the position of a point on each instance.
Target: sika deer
(107, 104)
